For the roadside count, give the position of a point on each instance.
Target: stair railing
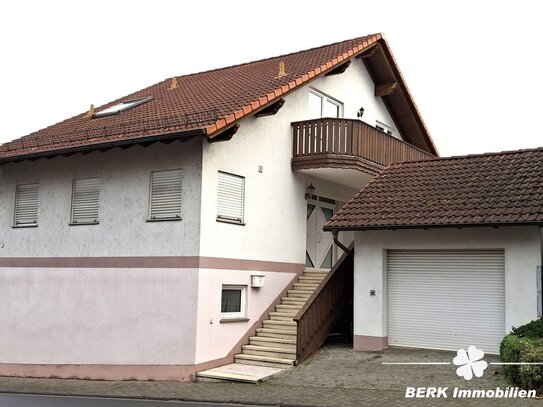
(324, 307)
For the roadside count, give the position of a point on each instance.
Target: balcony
(348, 145)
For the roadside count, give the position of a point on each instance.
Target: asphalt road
(23, 400)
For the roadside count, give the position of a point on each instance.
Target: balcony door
(319, 251)
(321, 105)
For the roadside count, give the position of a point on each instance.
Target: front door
(319, 253)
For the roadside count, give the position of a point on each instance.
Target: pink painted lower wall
(100, 372)
(368, 343)
(216, 340)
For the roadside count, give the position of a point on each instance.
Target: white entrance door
(319, 253)
(446, 299)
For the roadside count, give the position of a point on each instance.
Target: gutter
(433, 226)
(97, 146)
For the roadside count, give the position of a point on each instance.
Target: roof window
(121, 107)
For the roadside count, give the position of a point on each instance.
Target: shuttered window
(85, 201)
(230, 197)
(165, 195)
(26, 205)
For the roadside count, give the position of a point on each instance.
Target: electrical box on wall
(257, 280)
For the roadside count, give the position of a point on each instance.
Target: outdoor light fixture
(257, 280)
(310, 192)
(360, 112)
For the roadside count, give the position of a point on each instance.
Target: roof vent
(282, 71)
(121, 107)
(174, 83)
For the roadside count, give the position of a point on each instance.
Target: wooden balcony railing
(337, 138)
(323, 309)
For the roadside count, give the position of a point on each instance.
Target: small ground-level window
(165, 195)
(26, 205)
(233, 300)
(85, 201)
(230, 198)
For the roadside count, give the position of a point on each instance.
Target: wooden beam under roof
(386, 89)
(339, 70)
(271, 109)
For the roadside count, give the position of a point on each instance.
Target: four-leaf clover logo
(470, 362)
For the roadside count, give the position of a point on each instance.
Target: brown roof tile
(208, 101)
(494, 189)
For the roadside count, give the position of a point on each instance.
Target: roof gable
(489, 189)
(204, 103)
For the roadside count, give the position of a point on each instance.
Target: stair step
(310, 280)
(299, 293)
(292, 301)
(280, 353)
(275, 333)
(263, 361)
(279, 324)
(273, 342)
(287, 308)
(316, 274)
(305, 286)
(280, 316)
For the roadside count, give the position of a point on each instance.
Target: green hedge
(524, 344)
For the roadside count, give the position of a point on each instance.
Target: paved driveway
(342, 367)
(338, 376)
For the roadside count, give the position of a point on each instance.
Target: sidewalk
(338, 376)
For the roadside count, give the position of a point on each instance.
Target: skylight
(121, 107)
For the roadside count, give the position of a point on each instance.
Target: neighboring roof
(209, 102)
(476, 190)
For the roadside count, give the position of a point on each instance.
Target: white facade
(126, 296)
(521, 245)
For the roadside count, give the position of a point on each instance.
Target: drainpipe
(342, 246)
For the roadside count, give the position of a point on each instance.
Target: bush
(524, 344)
(533, 329)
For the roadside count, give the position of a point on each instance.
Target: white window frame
(242, 314)
(226, 218)
(385, 128)
(16, 223)
(326, 98)
(150, 218)
(74, 222)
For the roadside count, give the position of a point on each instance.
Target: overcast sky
(473, 67)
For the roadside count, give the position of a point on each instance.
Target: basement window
(121, 107)
(233, 302)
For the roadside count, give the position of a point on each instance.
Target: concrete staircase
(274, 345)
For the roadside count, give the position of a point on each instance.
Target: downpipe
(335, 233)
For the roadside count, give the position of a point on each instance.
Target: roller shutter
(446, 299)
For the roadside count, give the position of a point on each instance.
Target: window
(230, 198)
(233, 300)
(85, 201)
(384, 128)
(121, 107)
(165, 195)
(321, 105)
(26, 205)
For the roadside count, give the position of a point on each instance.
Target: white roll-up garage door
(446, 299)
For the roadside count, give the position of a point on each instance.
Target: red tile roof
(208, 101)
(475, 190)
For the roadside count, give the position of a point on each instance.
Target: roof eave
(99, 146)
(431, 226)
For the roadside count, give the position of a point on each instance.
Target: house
(179, 228)
(448, 252)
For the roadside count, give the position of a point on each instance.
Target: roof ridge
(274, 57)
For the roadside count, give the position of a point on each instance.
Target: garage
(446, 299)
